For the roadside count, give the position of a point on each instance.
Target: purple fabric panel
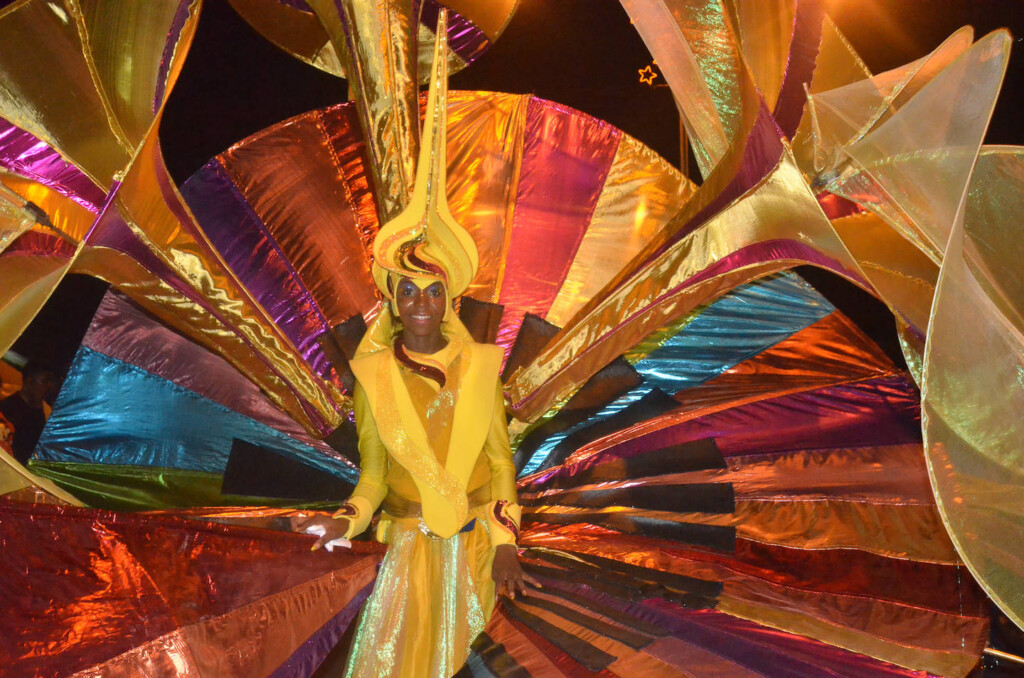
(760, 156)
(766, 651)
(305, 660)
(565, 162)
(465, 39)
(177, 206)
(24, 154)
(111, 231)
(173, 35)
(883, 411)
(248, 248)
(124, 332)
(769, 250)
(803, 56)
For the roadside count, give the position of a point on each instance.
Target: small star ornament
(647, 75)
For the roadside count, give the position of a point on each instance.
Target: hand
(333, 528)
(508, 574)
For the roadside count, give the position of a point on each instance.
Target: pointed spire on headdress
(425, 240)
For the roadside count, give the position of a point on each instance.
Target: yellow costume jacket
(439, 451)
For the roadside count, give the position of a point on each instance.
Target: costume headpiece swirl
(424, 240)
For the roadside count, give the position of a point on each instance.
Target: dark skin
(421, 312)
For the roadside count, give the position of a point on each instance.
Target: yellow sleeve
(373, 461)
(503, 512)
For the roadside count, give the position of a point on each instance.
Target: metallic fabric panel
(705, 96)
(767, 32)
(153, 209)
(973, 392)
(28, 281)
(832, 350)
(640, 194)
(179, 310)
(135, 52)
(70, 217)
(913, 169)
(565, 163)
(376, 44)
(122, 331)
(739, 324)
(138, 593)
(24, 154)
(39, 92)
(147, 412)
(691, 272)
(306, 181)
(485, 138)
(246, 246)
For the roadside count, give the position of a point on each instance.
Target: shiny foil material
(565, 164)
(375, 43)
(973, 395)
(473, 25)
(146, 595)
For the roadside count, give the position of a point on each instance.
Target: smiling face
(421, 312)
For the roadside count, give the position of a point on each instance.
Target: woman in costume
(433, 444)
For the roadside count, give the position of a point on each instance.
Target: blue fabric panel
(111, 412)
(733, 328)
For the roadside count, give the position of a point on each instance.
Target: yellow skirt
(431, 600)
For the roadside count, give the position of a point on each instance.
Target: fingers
(318, 544)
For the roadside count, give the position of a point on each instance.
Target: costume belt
(398, 509)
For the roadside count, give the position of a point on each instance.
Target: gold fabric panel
(901, 274)
(838, 64)
(67, 215)
(377, 40)
(641, 193)
(28, 281)
(765, 30)
(126, 45)
(913, 169)
(935, 661)
(485, 140)
(40, 92)
(296, 32)
(303, 36)
(973, 392)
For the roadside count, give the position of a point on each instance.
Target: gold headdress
(424, 240)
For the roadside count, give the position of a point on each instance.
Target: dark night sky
(582, 53)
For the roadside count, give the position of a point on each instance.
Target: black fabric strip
(497, 659)
(695, 455)
(696, 498)
(534, 335)
(627, 637)
(584, 653)
(654, 404)
(597, 566)
(718, 537)
(615, 613)
(615, 380)
(481, 318)
(624, 588)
